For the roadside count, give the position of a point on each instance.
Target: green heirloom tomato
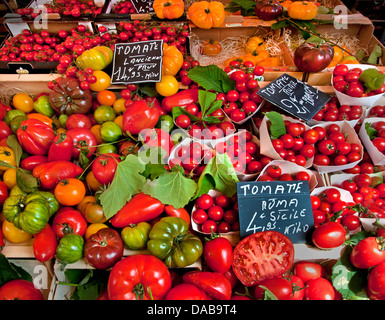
(15, 122)
(13, 113)
(107, 148)
(171, 241)
(70, 248)
(110, 131)
(29, 213)
(51, 200)
(104, 113)
(165, 122)
(136, 236)
(43, 105)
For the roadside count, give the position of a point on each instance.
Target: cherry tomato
(319, 289)
(367, 253)
(281, 288)
(307, 270)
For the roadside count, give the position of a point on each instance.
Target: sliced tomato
(262, 255)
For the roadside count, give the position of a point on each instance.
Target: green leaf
(277, 127)
(219, 174)
(347, 279)
(211, 77)
(9, 271)
(26, 181)
(372, 79)
(372, 133)
(280, 24)
(375, 54)
(177, 111)
(245, 6)
(267, 294)
(127, 182)
(172, 188)
(14, 144)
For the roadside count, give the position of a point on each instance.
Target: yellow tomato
(119, 106)
(119, 121)
(22, 101)
(9, 177)
(93, 228)
(13, 234)
(103, 81)
(337, 57)
(168, 86)
(8, 156)
(255, 44)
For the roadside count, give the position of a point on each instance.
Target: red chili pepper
(180, 99)
(51, 173)
(61, 148)
(141, 207)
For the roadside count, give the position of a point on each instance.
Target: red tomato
(376, 282)
(218, 254)
(139, 116)
(104, 248)
(20, 290)
(329, 235)
(44, 244)
(307, 270)
(139, 277)
(3, 192)
(281, 288)
(61, 148)
(270, 249)
(104, 167)
(298, 287)
(186, 291)
(68, 220)
(215, 284)
(368, 253)
(83, 140)
(319, 289)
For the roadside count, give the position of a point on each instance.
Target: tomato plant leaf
(277, 127)
(172, 188)
(245, 6)
(372, 79)
(220, 174)
(9, 271)
(26, 181)
(211, 77)
(372, 133)
(177, 111)
(126, 183)
(347, 279)
(375, 54)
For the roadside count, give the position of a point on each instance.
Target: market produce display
(137, 183)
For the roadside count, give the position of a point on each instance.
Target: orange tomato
(207, 14)
(39, 116)
(95, 129)
(337, 57)
(70, 192)
(106, 97)
(82, 204)
(119, 121)
(211, 47)
(103, 81)
(22, 101)
(93, 213)
(168, 9)
(270, 62)
(302, 10)
(119, 106)
(92, 183)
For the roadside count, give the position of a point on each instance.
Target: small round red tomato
(329, 235)
(209, 226)
(307, 270)
(308, 151)
(199, 216)
(376, 282)
(3, 192)
(68, 220)
(326, 147)
(274, 171)
(341, 70)
(351, 222)
(205, 201)
(310, 136)
(281, 288)
(319, 289)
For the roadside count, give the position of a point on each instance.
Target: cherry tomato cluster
(377, 111)
(369, 191)
(244, 153)
(73, 8)
(297, 144)
(378, 138)
(275, 173)
(217, 214)
(193, 157)
(333, 148)
(243, 101)
(124, 7)
(347, 81)
(333, 111)
(328, 206)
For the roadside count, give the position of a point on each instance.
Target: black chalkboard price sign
(294, 96)
(137, 62)
(143, 6)
(282, 206)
